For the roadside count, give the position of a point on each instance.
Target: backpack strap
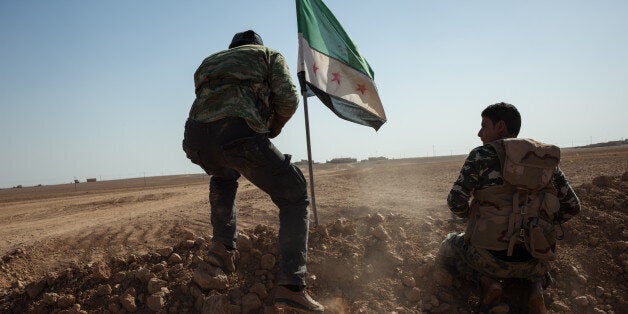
(501, 152)
(515, 221)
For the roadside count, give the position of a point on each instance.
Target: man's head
(246, 38)
(499, 121)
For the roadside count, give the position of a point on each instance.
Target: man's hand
(276, 124)
(273, 132)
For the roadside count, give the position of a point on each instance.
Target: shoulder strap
(501, 151)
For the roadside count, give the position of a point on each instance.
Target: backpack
(528, 166)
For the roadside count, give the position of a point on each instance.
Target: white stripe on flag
(338, 79)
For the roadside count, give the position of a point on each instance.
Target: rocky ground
(376, 263)
(373, 253)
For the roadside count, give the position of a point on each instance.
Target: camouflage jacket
(251, 82)
(482, 169)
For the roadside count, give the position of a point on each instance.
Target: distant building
(377, 158)
(301, 162)
(342, 160)
(91, 180)
(304, 162)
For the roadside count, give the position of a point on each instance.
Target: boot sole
(284, 304)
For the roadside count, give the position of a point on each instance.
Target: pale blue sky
(102, 89)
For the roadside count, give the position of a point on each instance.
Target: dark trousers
(227, 148)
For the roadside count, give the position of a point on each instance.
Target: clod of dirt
(50, 298)
(159, 267)
(175, 258)
(423, 269)
(268, 261)
(210, 278)
(155, 285)
(413, 294)
(602, 181)
(581, 301)
(143, 274)
(443, 278)
(128, 302)
(322, 230)
(400, 233)
(35, 288)
(104, 290)
(344, 226)
(76, 309)
(216, 304)
(65, 301)
(187, 244)
(165, 252)
(244, 243)
(187, 235)
(376, 218)
(250, 302)
(260, 290)
(101, 271)
(380, 233)
(156, 301)
(559, 306)
(408, 281)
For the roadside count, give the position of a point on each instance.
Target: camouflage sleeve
(458, 198)
(284, 96)
(569, 202)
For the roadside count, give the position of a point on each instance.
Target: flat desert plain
(105, 246)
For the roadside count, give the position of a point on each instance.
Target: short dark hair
(504, 112)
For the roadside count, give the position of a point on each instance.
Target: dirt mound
(370, 263)
(374, 263)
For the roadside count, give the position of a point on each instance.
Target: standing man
(244, 96)
(514, 196)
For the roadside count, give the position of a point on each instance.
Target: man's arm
(284, 96)
(569, 202)
(276, 124)
(458, 198)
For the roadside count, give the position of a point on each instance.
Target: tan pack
(527, 163)
(528, 167)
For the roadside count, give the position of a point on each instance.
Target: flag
(331, 67)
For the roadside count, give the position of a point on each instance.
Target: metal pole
(309, 156)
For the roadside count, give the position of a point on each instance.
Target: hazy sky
(103, 88)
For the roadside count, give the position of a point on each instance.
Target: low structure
(377, 158)
(342, 160)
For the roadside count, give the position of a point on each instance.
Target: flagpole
(309, 155)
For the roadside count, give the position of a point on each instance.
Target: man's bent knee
(291, 185)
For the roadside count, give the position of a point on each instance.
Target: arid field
(138, 244)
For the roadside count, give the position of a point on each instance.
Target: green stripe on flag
(325, 34)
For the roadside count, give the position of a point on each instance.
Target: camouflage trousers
(471, 262)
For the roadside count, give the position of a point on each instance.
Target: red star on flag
(315, 68)
(361, 88)
(336, 77)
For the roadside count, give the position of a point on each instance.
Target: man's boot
(219, 256)
(536, 303)
(491, 290)
(299, 301)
